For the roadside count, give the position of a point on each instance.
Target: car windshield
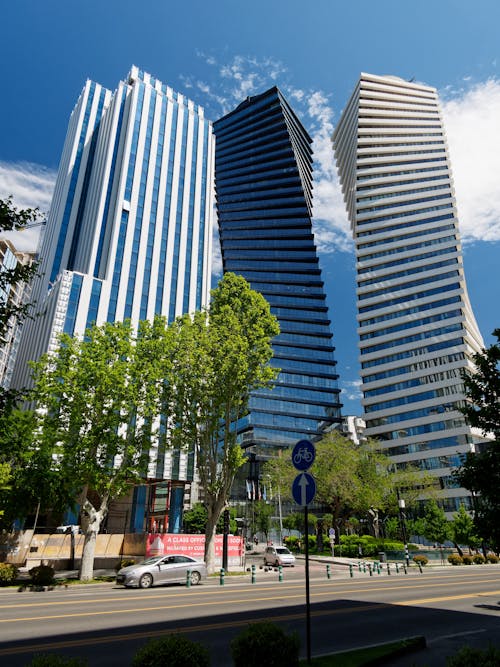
(282, 550)
(151, 561)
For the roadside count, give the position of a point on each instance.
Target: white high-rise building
(16, 294)
(129, 232)
(417, 330)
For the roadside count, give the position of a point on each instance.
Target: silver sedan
(160, 570)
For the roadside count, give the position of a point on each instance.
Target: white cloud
(216, 254)
(244, 76)
(31, 186)
(351, 389)
(331, 226)
(472, 121)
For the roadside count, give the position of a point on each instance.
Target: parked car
(278, 555)
(159, 570)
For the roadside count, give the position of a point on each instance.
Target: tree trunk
(210, 544)
(96, 518)
(460, 552)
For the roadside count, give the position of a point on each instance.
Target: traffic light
(226, 522)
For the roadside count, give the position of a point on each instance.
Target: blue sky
(219, 52)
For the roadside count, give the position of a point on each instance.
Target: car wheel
(146, 581)
(276, 563)
(195, 578)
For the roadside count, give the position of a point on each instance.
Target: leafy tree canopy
(221, 356)
(436, 526)
(96, 400)
(13, 219)
(480, 472)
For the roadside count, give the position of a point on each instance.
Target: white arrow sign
(303, 489)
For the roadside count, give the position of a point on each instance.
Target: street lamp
(402, 517)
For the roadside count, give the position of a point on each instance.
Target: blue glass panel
(75, 173)
(73, 301)
(95, 296)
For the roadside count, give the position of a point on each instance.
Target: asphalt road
(106, 624)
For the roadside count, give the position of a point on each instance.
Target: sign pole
(303, 492)
(308, 603)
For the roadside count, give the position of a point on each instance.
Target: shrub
(8, 573)
(174, 651)
(265, 644)
(478, 559)
(455, 559)
(472, 657)
(423, 560)
(369, 545)
(125, 562)
(42, 575)
(467, 560)
(491, 558)
(55, 660)
(292, 542)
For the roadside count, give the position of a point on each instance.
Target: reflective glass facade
(417, 331)
(263, 168)
(129, 233)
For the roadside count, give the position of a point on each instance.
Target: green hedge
(455, 559)
(42, 575)
(475, 657)
(265, 645)
(8, 574)
(370, 546)
(172, 651)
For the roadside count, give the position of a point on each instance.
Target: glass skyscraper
(129, 232)
(263, 168)
(417, 330)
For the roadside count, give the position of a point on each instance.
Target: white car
(278, 555)
(159, 570)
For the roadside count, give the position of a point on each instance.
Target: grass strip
(370, 655)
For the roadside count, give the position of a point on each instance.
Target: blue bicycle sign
(303, 455)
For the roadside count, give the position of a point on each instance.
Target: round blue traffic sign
(303, 489)
(303, 455)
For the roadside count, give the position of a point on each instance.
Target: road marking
(72, 643)
(212, 626)
(205, 603)
(462, 596)
(386, 586)
(456, 634)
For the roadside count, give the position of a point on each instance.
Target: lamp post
(402, 506)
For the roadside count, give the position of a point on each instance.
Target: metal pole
(308, 604)
(280, 514)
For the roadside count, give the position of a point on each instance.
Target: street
(106, 624)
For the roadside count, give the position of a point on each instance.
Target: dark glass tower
(263, 168)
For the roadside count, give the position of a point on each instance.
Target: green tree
(351, 479)
(462, 530)
(262, 513)
(436, 526)
(221, 356)
(34, 482)
(96, 405)
(195, 519)
(295, 521)
(393, 528)
(14, 219)
(480, 472)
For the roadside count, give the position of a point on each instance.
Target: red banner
(194, 546)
